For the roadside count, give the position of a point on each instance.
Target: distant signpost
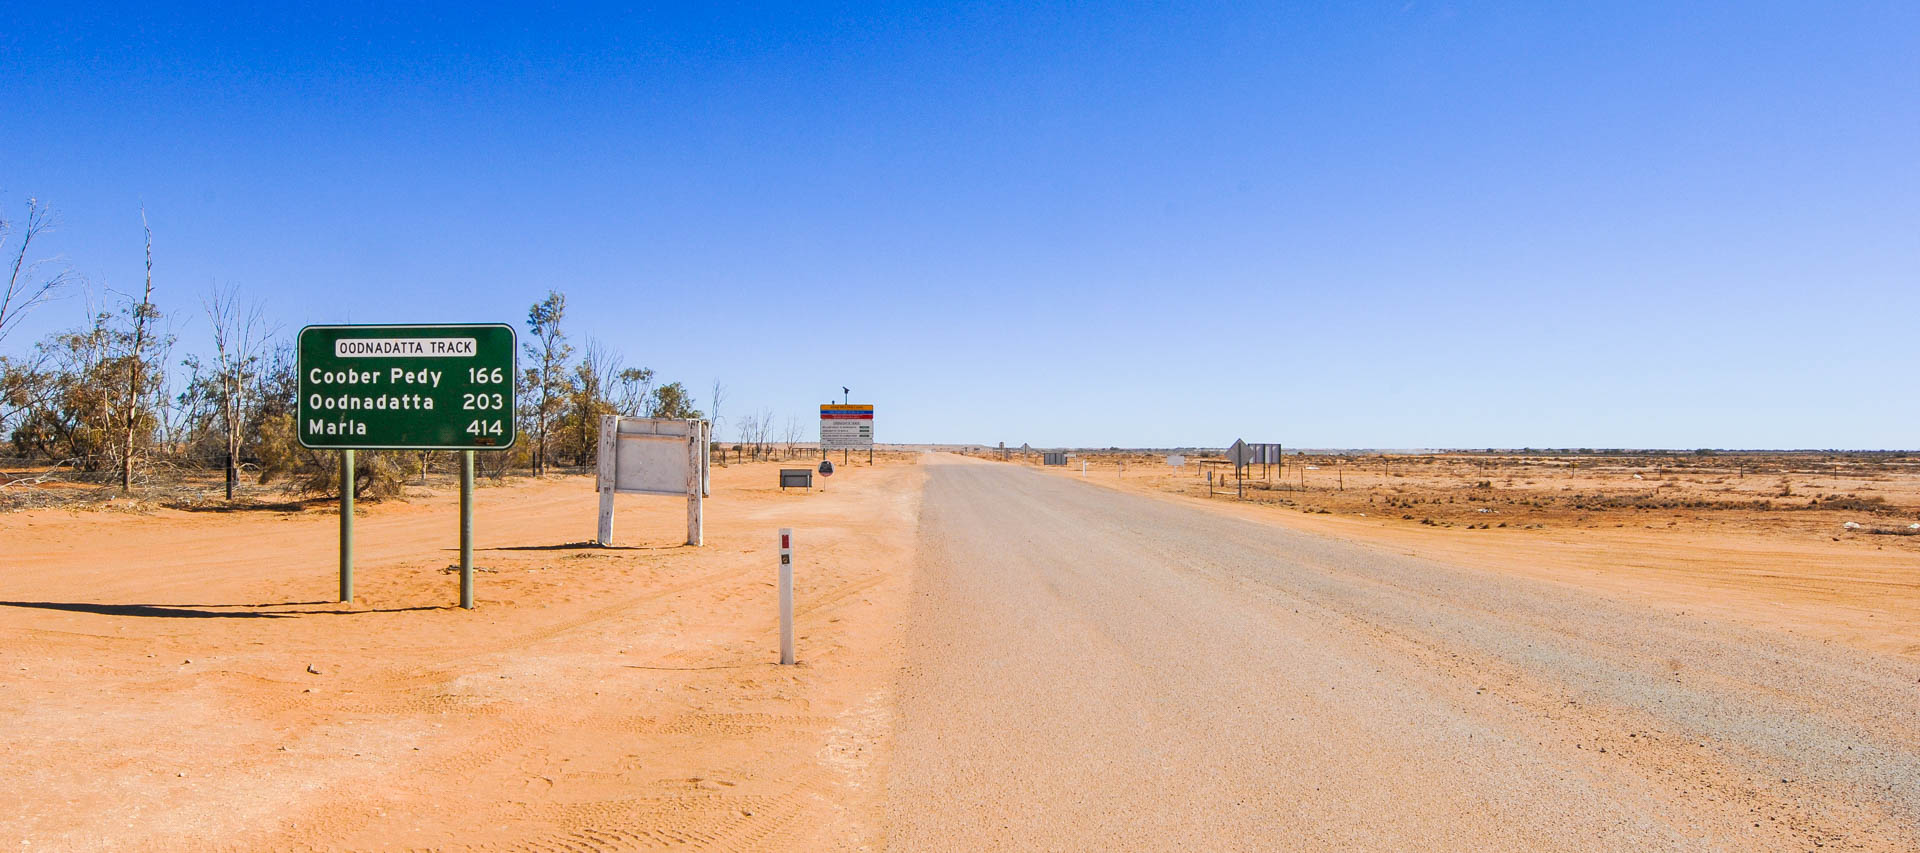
(1239, 453)
(1243, 454)
(431, 387)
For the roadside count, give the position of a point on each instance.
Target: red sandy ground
(155, 690)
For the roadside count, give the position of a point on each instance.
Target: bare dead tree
(719, 395)
(763, 434)
(791, 437)
(749, 424)
(595, 377)
(142, 314)
(29, 282)
(239, 346)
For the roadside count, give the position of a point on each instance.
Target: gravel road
(1091, 670)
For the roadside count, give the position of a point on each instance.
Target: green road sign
(407, 387)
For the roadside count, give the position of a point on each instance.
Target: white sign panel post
(653, 456)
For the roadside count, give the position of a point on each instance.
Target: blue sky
(1402, 225)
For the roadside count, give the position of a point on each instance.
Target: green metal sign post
(466, 529)
(436, 387)
(346, 525)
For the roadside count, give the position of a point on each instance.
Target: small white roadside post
(786, 595)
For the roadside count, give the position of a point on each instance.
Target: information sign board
(846, 426)
(436, 387)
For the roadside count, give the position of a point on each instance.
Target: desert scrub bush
(377, 474)
(1893, 531)
(1873, 504)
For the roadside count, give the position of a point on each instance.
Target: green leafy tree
(547, 385)
(672, 401)
(635, 390)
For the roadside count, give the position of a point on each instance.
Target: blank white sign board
(652, 456)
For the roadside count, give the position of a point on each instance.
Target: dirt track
(1088, 669)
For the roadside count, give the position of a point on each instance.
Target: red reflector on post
(783, 541)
